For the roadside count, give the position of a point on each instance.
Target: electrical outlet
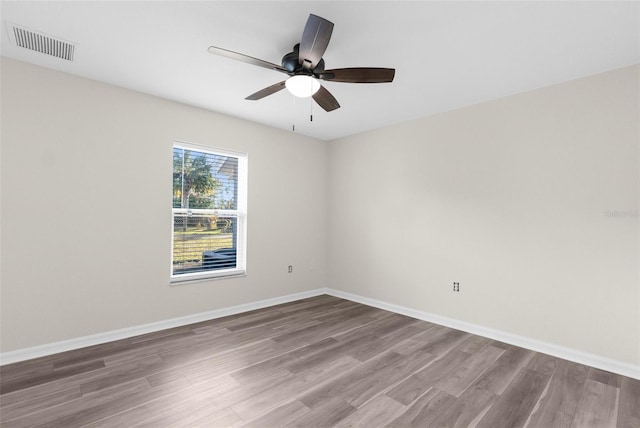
(290, 269)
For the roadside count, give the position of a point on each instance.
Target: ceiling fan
(305, 67)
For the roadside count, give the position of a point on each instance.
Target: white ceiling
(446, 54)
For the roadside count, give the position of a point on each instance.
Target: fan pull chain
(293, 116)
(311, 101)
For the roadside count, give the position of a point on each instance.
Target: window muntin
(209, 213)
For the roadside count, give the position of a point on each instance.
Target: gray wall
(86, 215)
(515, 199)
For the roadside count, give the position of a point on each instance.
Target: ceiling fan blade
(325, 99)
(315, 39)
(245, 58)
(359, 75)
(266, 91)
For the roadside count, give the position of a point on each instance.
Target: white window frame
(240, 214)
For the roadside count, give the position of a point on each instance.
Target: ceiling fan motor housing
(291, 63)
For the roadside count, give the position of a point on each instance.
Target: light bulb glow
(302, 86)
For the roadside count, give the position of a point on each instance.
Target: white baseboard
(109, 336)
(608, 364)
(592, 360)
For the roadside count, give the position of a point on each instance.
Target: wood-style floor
(316, 362)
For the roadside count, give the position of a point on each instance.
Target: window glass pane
(209, 213)
(204, 180)
(203, 242)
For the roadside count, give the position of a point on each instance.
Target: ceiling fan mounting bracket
(291, 62)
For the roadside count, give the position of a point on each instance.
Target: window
(209, 213)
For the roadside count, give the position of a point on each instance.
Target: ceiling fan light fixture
(302, 86)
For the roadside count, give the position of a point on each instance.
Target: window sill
(202, 278)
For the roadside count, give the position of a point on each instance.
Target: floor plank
(462, 412)
(420, 382)
(629, 407)
(339, 386)
(559, 400)
(328, 414)
(280, 416)
(504, 370)
(598, 406)
(280, 393)
(365, 388)
(423, 411)
(378, 412)
(459, 379)
(513, 407)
